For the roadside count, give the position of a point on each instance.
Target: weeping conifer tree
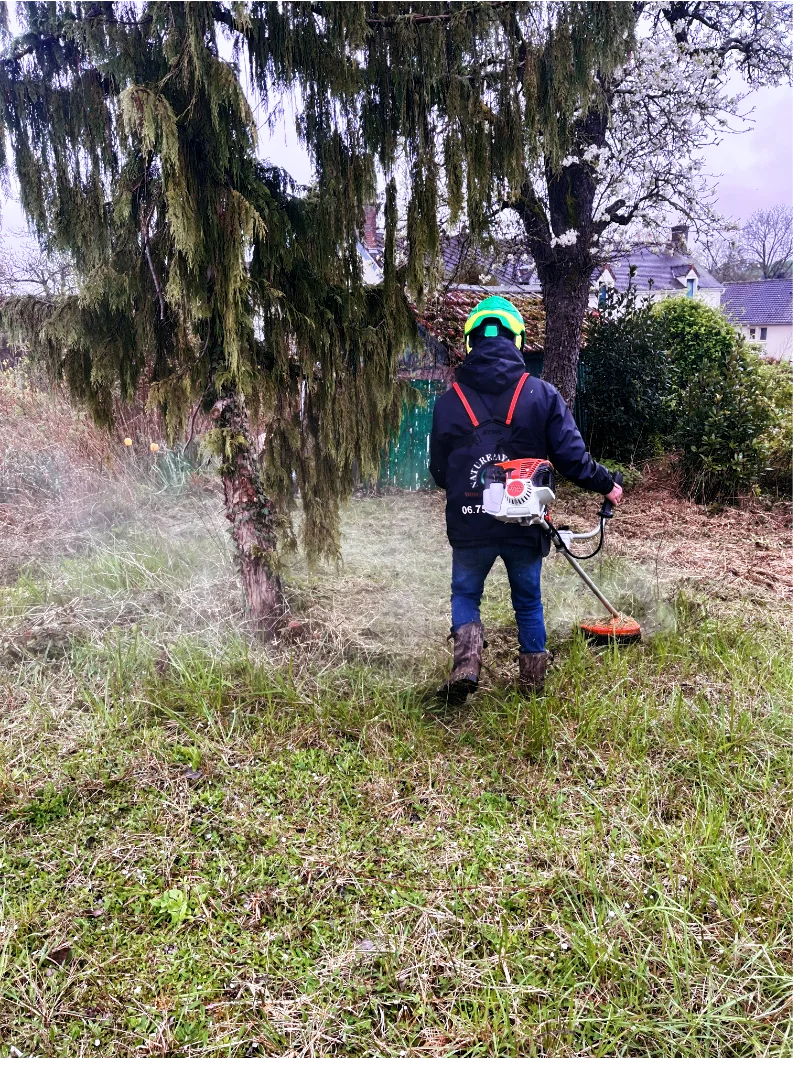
(134, 145)
(200, 270)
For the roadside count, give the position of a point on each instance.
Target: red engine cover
(523, 468)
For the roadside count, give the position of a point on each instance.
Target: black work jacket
(542, 428)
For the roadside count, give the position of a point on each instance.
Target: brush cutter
(521, 491)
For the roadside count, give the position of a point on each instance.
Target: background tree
(767, 240)
(26, 268)
(721, 252)
(584, 119)
(634, 156)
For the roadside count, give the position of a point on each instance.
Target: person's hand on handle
(607, 507)
(615, 495)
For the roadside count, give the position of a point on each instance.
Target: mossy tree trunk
(250, 513)
(565, 307)
(562, 237)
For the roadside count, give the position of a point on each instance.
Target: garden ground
(211, 846)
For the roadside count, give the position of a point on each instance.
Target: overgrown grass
(211, 847)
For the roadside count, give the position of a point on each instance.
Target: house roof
(760, 303)
(495, 267)
(500, 269)
(659, 270)
(467, 267)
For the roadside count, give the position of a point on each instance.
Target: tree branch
(144, 232)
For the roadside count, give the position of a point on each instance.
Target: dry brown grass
(48, 453)
(731, 550)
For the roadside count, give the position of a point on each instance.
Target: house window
(752, 332)
(602, 296)
(690, 288)
(763, 333)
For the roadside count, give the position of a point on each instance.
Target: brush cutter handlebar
(563, 538)
(607, 510)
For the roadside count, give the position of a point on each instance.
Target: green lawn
(212, 847)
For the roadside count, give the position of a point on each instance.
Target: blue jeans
(470, 567)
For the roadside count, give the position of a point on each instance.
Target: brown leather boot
(464, 678)
(533, 666)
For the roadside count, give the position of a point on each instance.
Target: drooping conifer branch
(197, 248)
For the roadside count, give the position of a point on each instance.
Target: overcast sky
(751, 170)
(756, 168)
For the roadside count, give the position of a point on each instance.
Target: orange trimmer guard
(622, 630)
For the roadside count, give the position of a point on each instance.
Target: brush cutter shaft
(590, 584)
(562, 548)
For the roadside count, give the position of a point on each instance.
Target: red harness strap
(514, 403)
(466, 404)
(512, 406)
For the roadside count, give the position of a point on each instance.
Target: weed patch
(47, 807)
(214, 847)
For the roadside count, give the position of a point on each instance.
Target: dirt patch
(731, 550)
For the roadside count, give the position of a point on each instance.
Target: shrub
(625, 380)
(777, 475)
(678, 376)
(720, 412)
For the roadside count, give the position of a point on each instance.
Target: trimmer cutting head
(622, 630)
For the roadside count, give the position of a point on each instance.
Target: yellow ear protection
(492, 327)
(494, 317)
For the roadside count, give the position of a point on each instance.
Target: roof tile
(760, 303)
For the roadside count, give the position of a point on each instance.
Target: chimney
(679, 242)
(370, 227)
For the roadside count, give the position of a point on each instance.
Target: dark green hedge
(625, 381)
(677, 376)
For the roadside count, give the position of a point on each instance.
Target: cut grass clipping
(209, 847)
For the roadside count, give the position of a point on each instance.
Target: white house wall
(777, 345)
(711, 297)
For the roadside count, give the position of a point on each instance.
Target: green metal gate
(406, 462)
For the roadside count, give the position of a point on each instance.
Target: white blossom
(569, 237)
(672, 98)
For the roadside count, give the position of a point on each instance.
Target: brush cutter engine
(521, 491)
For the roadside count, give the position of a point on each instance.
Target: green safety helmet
(493, 316)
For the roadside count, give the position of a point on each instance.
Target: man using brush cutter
(495, 412)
